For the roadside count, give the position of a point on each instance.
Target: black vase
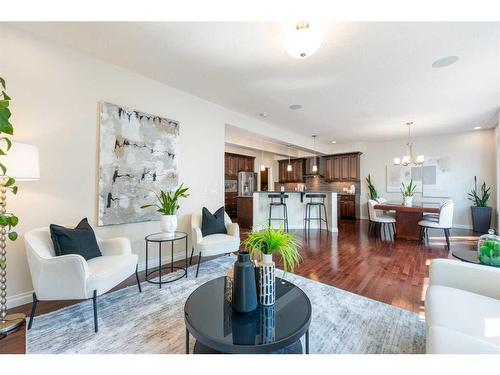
(244, 287)
(481, 219)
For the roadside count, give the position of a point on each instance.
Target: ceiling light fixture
(289, 166)
(445, 61)
(263, 114)
(334, 142)
(408, 159)
(315, 166)
(294, 107)
(303, 39)
(477, 127)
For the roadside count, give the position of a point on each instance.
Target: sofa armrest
(62, 277)
(197, 236)
(115, 246)
(233, 229)
(474, 278)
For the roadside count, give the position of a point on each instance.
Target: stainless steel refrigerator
(247, 184)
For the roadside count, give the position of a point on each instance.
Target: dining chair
(378, 217)
(444, 221)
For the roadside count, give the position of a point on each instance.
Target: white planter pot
(407, 201)
(267, 285)
(168, 224)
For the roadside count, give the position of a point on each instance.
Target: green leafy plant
(7, 219)
(479, 199)
(408, 190)
(275, 241)
(167, 201)
(371, 188)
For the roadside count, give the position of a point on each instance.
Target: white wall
(470, 154)
(55, 94)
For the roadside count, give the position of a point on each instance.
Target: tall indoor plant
(7, 220)
(408, 191)
(481, 213)
(265, 243)
(167, 205)
(371, 188)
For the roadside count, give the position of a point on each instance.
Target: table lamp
(22, 165)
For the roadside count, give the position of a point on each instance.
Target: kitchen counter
(296, 206)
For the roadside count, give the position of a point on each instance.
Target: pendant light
(262, 166)
(409, 159)
(289, 166)
(315, 165)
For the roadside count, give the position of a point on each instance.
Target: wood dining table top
(430, 207)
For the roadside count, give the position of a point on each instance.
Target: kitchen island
(296, 207)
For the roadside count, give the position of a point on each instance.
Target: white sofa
(71, 277)
(462, 308)
(214, 244)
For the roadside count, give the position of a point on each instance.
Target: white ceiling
(364, 83)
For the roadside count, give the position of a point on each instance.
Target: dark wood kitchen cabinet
(342, 167)
(234, 163)
(347, 206)
(295, 175)
(230, 205)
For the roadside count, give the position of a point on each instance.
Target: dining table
(407, 217)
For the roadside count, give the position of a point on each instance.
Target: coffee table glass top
(469, 256)
(163, 237)
(211, 320)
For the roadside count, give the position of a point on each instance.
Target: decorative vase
(407, 201)
(244, 287)
(168, 224)
(488, 249)
(267, 285)
(481, 219)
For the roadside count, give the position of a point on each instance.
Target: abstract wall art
(137, 156)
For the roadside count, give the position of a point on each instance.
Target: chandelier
(409, 159)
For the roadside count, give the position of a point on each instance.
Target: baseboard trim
(19, 299)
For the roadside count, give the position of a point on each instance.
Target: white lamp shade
(22, 162)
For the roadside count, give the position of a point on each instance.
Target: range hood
(309, 162)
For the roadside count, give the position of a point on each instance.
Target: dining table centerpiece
(408, 191)
(262, 244)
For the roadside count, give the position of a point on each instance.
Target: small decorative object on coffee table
(488, 249)
(161, 238)
(244, 287)
(265, 243)
(267, 329)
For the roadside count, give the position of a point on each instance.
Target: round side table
(161, 238)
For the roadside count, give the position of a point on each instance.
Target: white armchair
(213, 244)
(462, 308)
(70, 277)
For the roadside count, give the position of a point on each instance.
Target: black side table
(161, 238)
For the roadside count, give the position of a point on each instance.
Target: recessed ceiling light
(263, 114)
(477, 127)
(294, 107)
(445, 61)
(334, 141)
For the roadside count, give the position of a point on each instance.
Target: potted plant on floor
(167, 206)
(371, 188)
(481, 213)
(264, 244)
(408, 191)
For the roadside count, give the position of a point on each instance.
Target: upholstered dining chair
(71, 277)
(214, 244)
(378, 217)
(443, 221)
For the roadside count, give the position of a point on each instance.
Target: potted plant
(408, 191)
(264, 244)
(371, 188)
(167, 206)
(481, 213)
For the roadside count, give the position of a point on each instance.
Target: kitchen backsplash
(318, 184)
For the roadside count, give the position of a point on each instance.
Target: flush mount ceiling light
(303, 39)
(445, 61)
(334, 142)
(408, 159)
(294, 107)
(477, 127)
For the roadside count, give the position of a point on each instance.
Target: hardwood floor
(393, 272)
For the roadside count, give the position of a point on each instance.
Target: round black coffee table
(469, 256)
(275, 329)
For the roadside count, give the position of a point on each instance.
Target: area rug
(153, 321)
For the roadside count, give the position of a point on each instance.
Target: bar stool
(282, 203)
(315, 200)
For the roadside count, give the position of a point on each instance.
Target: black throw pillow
(80, 240)
(212, 224)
